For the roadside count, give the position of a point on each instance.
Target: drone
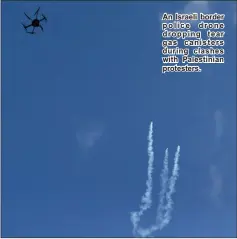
(35, 22)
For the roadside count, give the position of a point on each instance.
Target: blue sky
(77, 101)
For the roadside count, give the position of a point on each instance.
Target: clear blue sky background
(77, 101)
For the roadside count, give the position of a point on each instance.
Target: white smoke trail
(172, 182)
(146, 201)
(164, 185)
(164, 209)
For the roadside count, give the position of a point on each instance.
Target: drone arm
(26, 26)
(36, 13)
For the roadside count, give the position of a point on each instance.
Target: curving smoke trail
(165, 205)
(146, 201)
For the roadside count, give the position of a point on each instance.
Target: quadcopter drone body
(35, 22)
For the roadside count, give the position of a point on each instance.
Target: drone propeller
(41, 28)
(44, 18)
(27, 16)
